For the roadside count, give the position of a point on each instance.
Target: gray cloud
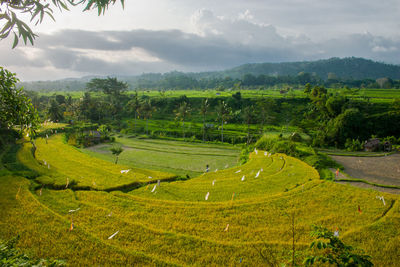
(219, 43)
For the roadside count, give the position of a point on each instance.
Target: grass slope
(175, 224)
(176, 157)
(82, 171)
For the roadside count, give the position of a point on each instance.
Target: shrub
(295, 137)
(353, 145)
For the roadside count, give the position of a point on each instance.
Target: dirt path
(380, 170)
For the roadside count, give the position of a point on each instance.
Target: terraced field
(180, 158)
(219, 218)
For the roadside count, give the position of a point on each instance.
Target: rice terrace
(199, 133)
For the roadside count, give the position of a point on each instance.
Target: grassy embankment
(175, 224)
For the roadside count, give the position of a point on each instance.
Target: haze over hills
(340, 68)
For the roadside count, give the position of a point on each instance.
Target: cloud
(217, 43)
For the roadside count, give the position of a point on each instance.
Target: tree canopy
(11, 10)
(16, 108)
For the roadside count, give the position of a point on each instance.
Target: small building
(372, 144)
(387, 146)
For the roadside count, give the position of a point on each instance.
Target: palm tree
(248, 116)
(55, 113)
(203, 110)
(116, 150)
(134, 105)
(147, 110)
(183, 112)
(223, 112)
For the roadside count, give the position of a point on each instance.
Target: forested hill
(346, 68)
(267, 74)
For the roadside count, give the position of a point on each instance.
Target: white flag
(213, 182)
(154, 188)
(208, 193)
(74, 210)
(255, 150)
(242, 178)
(227, 227)
(111, 236)
(238, 171)
(258, 173)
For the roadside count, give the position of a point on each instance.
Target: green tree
(10, 12)
(113, 89)
(249, 118)
(116, 150)
(134, 106)
(147, 109)
(223, 112)
(203, 110)
(182, 113)
(55, 112)
(109, 86)
(350, 124)
(16, 108)
(329, 249)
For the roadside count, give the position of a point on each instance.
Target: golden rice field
(220, 218)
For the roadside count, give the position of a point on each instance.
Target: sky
(192, 36)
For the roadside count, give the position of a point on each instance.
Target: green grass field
(375, 95)
(180, 158)
(174, 223)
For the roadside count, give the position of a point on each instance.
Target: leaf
(15, 41)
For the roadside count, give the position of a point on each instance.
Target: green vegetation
(181, 158)
(173, 223)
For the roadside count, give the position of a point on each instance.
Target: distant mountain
(345, 68)
(338, 68)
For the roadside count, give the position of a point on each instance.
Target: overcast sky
(188, 35)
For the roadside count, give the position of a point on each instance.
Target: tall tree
(182, 113)
(249, 118)
(113, 89)
(146, 109)
(55, 112)
(203, 110)
(134, 106)
(223, 112)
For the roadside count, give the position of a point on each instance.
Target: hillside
(355, 68)
(220, 218)
(345, 68)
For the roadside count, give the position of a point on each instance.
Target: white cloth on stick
(257, 174)
(74, 210)
(111, 236)
(213, 182)
(208, 193)
(125, 171)
(238, 171)
(242, 178)
(154, 188)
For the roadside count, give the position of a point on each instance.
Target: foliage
(16, 108)
(330, 249)
(353, 145)
(109, 86)
(38, 9)
(10, 256)
(55, 114)
(116, 150)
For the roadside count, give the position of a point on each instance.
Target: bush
(295, 137)
(286, 147)
(265, 143)
(353, 145)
